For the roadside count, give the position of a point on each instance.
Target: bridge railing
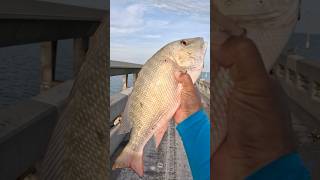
(25, 130)
(119, 100)
(300, 77)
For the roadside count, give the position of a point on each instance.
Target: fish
(155, 97)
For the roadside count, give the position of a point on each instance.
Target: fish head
(188, 54)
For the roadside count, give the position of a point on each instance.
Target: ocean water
(20, 70)
(20, 67)
(297, 43)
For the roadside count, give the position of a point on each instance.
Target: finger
(242, 57)
(183, 77)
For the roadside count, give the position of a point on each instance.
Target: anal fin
(158, 135)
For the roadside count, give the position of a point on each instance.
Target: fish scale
(145, 116)
(156, 96)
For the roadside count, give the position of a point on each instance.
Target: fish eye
(183, 42)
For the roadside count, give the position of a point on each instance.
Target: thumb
(184, 79)
(242, 57)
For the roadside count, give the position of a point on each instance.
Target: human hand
(189, 101)
(258, 127)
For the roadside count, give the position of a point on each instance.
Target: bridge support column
(125, 82)
(135, 76)
(80, 48)
(48, 64)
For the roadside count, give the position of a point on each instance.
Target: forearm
(195, 134)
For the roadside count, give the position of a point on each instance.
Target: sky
(139, 28)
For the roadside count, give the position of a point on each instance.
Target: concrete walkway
(306, 129)
(168, 163)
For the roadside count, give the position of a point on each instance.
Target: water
(20, 70)
(298, 43)
(20, 67)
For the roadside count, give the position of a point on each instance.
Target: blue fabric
(195, 135)
(288, 167)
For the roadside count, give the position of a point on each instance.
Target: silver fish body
(156, 96)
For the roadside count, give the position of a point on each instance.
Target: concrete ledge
(25, 130)
(56, 96)
(115, 139)
(19, 31)
(300, 78)
(117, 104)
(24, 138)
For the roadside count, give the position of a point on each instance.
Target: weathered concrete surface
(56, 96)
(53, 9)
(168, 163)
(304, 125)
(121, 68)
(24, 31)
(299, 77)
(25, 129)
(24, 133)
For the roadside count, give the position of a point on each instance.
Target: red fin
(130, 159)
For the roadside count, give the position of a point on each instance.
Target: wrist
(183, 115)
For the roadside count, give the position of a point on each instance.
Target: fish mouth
(198, 66)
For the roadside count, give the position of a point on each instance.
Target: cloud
(127, 20)
(152, 36)
(184, 6)
(139, 28)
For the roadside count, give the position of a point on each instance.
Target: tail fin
(131, 159)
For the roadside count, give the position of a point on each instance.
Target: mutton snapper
(156, 96)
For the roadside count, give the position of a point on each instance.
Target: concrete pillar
(80, 48)
(48, 63)
(125, 82)
(135, 76)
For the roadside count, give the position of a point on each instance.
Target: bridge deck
(169, 162)
(308, 146)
